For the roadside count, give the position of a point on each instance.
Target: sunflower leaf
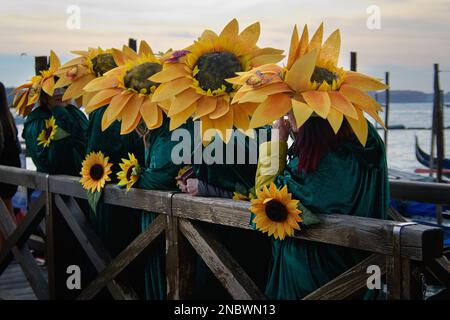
(308, 216)
(61, 134)
(93, 198)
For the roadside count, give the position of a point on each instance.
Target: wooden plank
(127, 256)
(350, 282)
(22, 177)
(22, 232)
(24, 257)
(50, 245)
(91, 244)
(420, 191)
(220, 261)
(180, 263)
(419, 242)
(155, 201)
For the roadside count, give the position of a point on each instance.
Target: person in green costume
(222, 179)
(158, 173)
(330, 174)
(116, 226)
(64, 155)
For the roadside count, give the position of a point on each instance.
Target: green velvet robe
(62, 156)
(116, 226)
(159, 173)
(250, 249)
(351, 180)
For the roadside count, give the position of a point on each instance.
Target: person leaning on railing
(329, 173)
(158, 173)
(61, 156)
(223, 180)
(9, 149)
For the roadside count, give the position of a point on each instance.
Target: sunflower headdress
(128, 91)
(311, 84)
(276, 212)
(194, 78)
(79, 71)
(28, 94)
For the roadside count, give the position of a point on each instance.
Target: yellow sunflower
(311, 84)
(28, 94)
(79, 71)
(194, 79)
(95, 171)
(127, 91)
(47, 134)
(130, 171)
(243, 197)
(276, 212)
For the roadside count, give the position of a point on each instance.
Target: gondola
(424, 159)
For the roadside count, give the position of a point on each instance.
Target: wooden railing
(401, 249)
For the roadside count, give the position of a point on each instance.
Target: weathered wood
(50, 245)
(180, 263)
(350, 282)
(24, 257)
(92, 246)
(221, 263)
(22, 177)
(22, 231)
(154, 201)
(127, 256)
(420, 191)
(418, 242)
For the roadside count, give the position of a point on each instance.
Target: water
(400, 149)
(401, 152)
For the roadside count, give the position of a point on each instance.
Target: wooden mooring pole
(40, 63)
(353, 61)
(132, 43)
(386, 110)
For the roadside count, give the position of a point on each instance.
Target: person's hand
(181, 184)
(192, 186)
(283, 128)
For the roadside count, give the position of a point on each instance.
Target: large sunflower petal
(316, 40)
(169, 89)
(205, 106)
(114, 109)
(357, 96)
(302, 112)
(299, 76)
(293, 47)
(363, 82)
(171, 71)
(149, 111)
(180, 118)
(250, 35)
(270, 110)
(341, 103)
(319, 101)
(222, 108)
(183, 101)
(331, 48)
(130, 112)
(335, 119)
(359, 127)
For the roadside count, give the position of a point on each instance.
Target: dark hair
(6, 118)
(314, 139)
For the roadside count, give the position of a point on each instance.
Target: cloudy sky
(413, 34)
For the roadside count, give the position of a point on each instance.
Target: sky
(404, 37)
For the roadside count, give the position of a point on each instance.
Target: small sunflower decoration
(242, 197)
(130, 172)
(276, 212)
(312, 85)
(95, 172)
(48, 133)
(128, 92)
(79, 71)
(28, 94)
(194, 79)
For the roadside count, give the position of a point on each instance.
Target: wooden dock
(404, 250)
(14, 284)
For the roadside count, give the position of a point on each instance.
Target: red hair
(314, 139)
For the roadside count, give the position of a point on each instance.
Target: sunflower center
(322, 74)
(102, 63)
(48, 133)
(276, 211)
(137, 77)
(130, 172)
(96, 172)
(214, 68)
